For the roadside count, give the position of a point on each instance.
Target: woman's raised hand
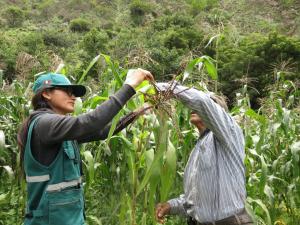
(136, 76)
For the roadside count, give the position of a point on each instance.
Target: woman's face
(61, 100)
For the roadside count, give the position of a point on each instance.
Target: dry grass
(25, 63)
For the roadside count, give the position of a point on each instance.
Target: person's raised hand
(136, 76)
(162, 209)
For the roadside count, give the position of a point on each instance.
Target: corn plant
(14, 107)
(126, 175)
(272, 145)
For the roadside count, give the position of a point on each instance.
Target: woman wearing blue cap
(49, 139)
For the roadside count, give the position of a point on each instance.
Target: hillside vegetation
(251, 40)
(249, 50)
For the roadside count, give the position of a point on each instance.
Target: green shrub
(258, 58)
(218, 16)
(46, 8)
(33, 43)
(95, 41)
(174, 39)
(138, 10)
(165, 63)
(56, 38)
(177, 20)
(198, 6)
(14, 16)
(8, 55)
(176, 31)
(80, 25)
(287, 3)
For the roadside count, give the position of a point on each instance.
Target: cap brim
(78, 90)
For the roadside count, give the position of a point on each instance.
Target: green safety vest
(55, 194)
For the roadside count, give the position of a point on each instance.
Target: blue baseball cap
(49, 80)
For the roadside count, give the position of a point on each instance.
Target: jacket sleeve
(55, 128)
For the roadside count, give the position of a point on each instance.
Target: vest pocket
(68, 149)
(66, 207)
(71, 162)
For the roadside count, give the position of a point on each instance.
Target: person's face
(62, 100)
(197, 121)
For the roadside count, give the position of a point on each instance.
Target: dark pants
(241, 218)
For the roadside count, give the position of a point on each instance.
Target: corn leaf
(263, 177)
(92, 63)
(168, 172)
(2, 139)
(113, 126)
(161, 147)
(113, 68)
(78, 106)
(263, 207)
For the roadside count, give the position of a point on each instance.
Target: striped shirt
(214, 177)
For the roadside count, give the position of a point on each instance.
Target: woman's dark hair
(37, 102)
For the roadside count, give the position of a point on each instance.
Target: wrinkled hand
(136, 76)
(162, 209)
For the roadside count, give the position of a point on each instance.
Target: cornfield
(127, 174)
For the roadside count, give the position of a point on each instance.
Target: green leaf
(250, 211)
(90, 165)
(211, 40)
(9, 171)
(168, 172)
(60, 69)
(92, 63)
(149, 156)
(146, 87)
(263, 206)
(210, 67)
(130, 157)
(143, 84)
(295, 149)
(111, 65)
(2, 140)
(94, 220)
(78, 106)
(4, 198)
(264, 171)
(252, 114)
(269, 193)
(189, 68)
(113, 126)
(161, 139)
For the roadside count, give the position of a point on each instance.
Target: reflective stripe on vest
(63, 185)
(42, 178)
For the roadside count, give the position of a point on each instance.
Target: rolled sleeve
(177, 206)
